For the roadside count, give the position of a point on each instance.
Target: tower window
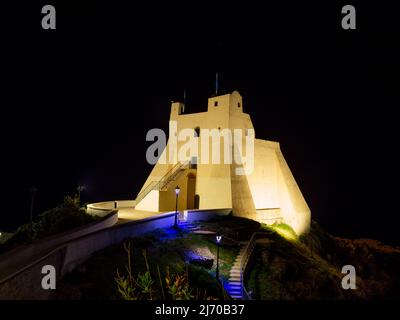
(197, 132)
(238, 104)
(215, 103)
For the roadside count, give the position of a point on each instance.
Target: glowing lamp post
(176, 206)
(218, 244)
(80, 188)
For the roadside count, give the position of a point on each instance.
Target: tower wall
(269, 193)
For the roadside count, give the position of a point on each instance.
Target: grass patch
(283, 229)
(164, 253)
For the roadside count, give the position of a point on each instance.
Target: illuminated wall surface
(268, 194)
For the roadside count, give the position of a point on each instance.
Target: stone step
(236, 288)
(235, 293)
(234, 278)
(236, 284)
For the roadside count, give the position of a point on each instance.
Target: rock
(202, 262)
(200, 256)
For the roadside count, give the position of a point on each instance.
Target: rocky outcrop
(311, 268)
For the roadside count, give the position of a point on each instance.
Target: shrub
(65, 217)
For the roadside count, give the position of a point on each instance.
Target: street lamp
(218, 244)
(80, 188)
(176, 206)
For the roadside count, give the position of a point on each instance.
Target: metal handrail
(155, 185)
(246, 258)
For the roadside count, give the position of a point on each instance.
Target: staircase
(234, 286)
(188, 226)
(164, 183)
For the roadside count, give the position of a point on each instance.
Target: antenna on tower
(216, 83)
(184, 96)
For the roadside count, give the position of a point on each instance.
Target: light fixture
(176, 206)
(217, 269)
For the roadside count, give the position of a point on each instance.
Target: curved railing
(103, 208)
(17, 259)
(67, 255)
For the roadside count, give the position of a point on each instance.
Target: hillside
(284, 266)
(310, 267)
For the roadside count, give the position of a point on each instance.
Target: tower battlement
(268, 193)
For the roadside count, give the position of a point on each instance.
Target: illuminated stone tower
(267, 192)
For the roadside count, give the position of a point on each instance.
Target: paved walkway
(130, 214)
(12, 261)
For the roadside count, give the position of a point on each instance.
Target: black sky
(78, 101)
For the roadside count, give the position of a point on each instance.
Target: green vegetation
(288, 267)
(164, 269)
(4, 237)
(65, 217)
(235, 228)
(171, 287)
(283, 230)
(283, 265)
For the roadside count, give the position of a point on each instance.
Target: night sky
(78, 101)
